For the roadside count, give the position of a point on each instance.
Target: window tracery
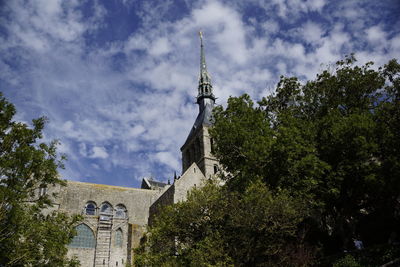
(90, 208)
(84, 237)
(120, 211)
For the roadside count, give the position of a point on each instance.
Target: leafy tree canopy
(218, 227)
(333, 141)
(29, 236)
(308, 171)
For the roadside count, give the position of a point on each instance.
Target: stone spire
(197, 147)
(205, 88)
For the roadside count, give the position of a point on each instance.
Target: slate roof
(148, 183)
(203, 119)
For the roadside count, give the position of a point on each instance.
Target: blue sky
(118, 78)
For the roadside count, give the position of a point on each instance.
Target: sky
(117, 79)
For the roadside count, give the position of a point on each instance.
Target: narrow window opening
(42, 191)
(118, 238)
(215, 168)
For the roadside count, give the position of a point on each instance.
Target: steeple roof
(205, 98)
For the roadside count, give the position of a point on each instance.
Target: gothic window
(120, 211)
(90, 208)
(118, 238)
(84, 237)
(106, 208)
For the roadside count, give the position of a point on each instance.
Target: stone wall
(192, 177)
(199, 150)
(73, 199)
(167, 198)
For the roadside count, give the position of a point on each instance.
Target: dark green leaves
(27, 236)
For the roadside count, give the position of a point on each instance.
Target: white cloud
(99, 152)
(159, 47)
(168, 159)
(375, 34)
(312, 32)
(137, 111)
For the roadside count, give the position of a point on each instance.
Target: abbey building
(115, 218)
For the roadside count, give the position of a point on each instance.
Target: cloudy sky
(118, 78)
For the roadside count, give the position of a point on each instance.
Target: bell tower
(198, 145)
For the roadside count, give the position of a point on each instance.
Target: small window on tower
(215, 168)
(42, 191)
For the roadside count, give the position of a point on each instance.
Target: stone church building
(115, 218)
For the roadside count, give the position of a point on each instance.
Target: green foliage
(307, 171)
(217, 227)
(347, 261)
(332, 141)
(27, 236)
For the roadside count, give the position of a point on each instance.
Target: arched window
(120, 211)
(84, 237)
(118, 238)
(106, 208)
(90, 208)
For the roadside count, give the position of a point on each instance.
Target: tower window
(215, 168)
(212, 145)
(42, 191)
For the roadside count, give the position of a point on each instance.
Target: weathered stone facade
(115, 231)
(115, 218)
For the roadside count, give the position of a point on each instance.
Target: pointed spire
(205, 87)
(174, 175)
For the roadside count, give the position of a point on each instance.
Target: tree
(308, 171)
(28, 237)
(218, 227)
(332, 141)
